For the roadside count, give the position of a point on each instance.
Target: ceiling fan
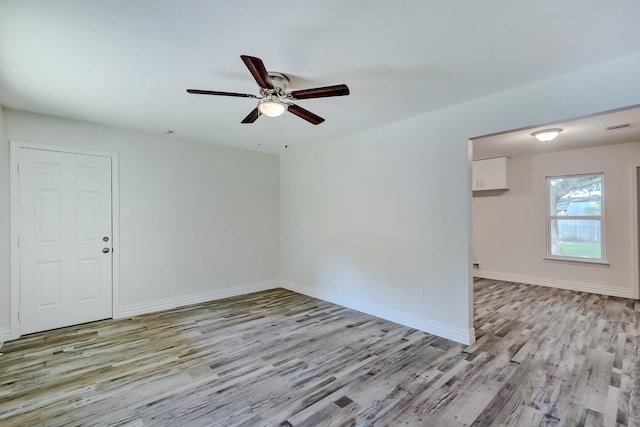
(274, 97)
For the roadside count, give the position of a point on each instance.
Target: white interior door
(65, 233)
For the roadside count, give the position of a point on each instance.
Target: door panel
(65, 212)
(88, 280)
(88, 224)
(48, 283)
(47, 216)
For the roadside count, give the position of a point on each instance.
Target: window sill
(578, 261)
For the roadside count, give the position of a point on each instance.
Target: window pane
(576, 238)
(576, 195)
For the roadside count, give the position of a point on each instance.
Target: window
(575, 217)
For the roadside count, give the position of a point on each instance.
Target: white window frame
(578, 260)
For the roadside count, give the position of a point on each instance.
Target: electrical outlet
(419, 294)
(137, 289)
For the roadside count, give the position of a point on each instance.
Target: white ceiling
(127, 63)
(580, 133)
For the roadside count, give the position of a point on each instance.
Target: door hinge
(19, 315)
(18, 167)
(18, 241)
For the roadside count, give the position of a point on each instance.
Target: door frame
(635, 228)
(14, 148)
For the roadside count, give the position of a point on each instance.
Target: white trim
(635, 230)
(470, 253)
(555, 283)
(14, 266)
(60, 149)
(14, 146)
(115, 237)
(171, 303)
(5, 335)
(463, 336)
(577, 261)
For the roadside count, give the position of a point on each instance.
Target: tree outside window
(574, 223)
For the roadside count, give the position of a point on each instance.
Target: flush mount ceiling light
(271, 108)
(546, 135)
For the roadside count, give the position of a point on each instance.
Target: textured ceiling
(127, 63)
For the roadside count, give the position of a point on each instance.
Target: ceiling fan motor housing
(280, 82)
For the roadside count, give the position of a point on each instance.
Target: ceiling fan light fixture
(275, 97)
(546, 135)
(271, 108)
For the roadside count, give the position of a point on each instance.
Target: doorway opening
(511, 240)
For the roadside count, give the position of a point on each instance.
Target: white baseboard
(426, 325)
(170, 303)
(555, 283)
(5, 335)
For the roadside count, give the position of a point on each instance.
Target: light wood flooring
(276, 358)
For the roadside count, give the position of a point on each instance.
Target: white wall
(369, 219)
(509, 238)
(205, 218)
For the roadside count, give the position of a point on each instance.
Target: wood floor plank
(276, 358)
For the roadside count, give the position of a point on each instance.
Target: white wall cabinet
(491, 174)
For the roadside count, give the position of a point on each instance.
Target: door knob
(105, 250)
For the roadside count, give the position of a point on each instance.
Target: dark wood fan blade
(305, 114)
(258, 71)
(252, 117)
(215, 92)
(321, 92)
